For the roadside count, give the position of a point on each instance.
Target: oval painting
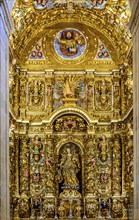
(70, 43)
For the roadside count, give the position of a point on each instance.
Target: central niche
(69, 178)
(70, 43)
(69, 174)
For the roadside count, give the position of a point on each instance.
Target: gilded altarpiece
(71, 151)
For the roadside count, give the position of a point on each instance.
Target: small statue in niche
(130, 130)
(103, 148)
(90, 186)
(49, 91)
(48, 163)
(35, 98)
(92, 162)
(68, 89)
(117, 208)
(36, 145)
(70, 166)
(104, 207)
(49, 184)
(116, 93)
(90, 91)
(69, 86)
(103, 91)
(104, 178)
(36, 178)
(36, 89)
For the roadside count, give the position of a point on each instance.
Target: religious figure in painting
(102, 53)
(70, 43)
(41, 2)
(69, 167)
(37, 53)
(97, 2)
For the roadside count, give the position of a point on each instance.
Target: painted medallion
(70, 43)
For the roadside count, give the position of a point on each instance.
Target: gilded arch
(65, 141)
(100, 24)
(23, 40)
(71, 110)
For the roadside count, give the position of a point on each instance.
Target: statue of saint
(70, 84)
(36, 144)
(103, 147)
(68, 90)
(69, 167)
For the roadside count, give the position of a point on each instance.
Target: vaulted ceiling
(98, 20)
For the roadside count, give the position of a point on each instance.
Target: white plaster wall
(134, 27)
(5, 26)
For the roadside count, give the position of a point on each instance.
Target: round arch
(48, 18)
(69, 110)
(66, 141)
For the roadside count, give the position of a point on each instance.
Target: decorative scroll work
(103, 91)
(36, 90)
(66, 168)
(70, 124)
